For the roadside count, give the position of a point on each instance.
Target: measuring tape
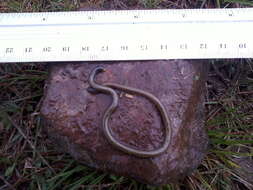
(126, 35)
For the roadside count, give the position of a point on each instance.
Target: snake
(108, 88)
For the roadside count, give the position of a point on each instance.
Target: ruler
(126, 35)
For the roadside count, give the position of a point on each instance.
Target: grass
(29, 161)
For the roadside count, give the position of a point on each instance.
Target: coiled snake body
(108, 89)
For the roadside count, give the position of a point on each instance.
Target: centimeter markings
(126, 35)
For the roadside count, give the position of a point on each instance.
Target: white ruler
(126, 35)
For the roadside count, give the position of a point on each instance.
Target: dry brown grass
(29, 161)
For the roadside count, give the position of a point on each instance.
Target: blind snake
(108, 89)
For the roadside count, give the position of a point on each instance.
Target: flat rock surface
(73, 116)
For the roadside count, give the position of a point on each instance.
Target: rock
(73, 117)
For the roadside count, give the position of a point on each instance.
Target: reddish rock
(73, 117)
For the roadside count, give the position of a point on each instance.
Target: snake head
(94, 72)
(92, 77)
(99, 69)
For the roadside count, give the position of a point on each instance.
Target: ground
(28, 160)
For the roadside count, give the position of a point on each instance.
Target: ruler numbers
(92, 53)
(123, 48)
(126, 35)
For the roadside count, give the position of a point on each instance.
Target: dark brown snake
(108, 89)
